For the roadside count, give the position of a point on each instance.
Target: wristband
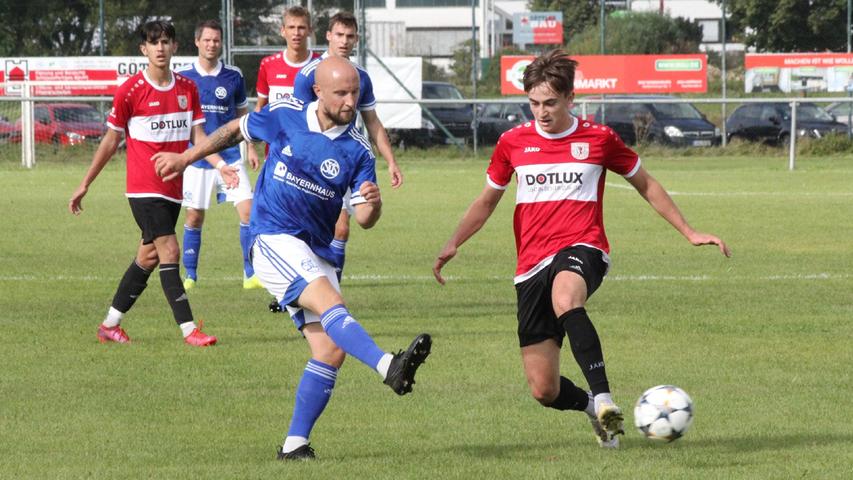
(221, 164)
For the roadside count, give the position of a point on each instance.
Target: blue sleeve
(303, 87)
(365, 171)
(240, 99)
(366, 99)
(260, 126)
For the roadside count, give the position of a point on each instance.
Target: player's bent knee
(544, 394)
(194, 218)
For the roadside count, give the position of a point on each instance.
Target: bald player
(316, 155)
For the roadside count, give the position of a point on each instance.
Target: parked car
(771, 122)
(840, 110)
(8, 132)
(494, 119)
(66, 123)
(648, 120)
(455, 117)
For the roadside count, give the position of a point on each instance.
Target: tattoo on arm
(224, 137)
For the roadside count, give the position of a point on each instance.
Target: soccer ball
(663, 413)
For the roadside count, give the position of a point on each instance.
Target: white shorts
(285, 265)
(199, 184)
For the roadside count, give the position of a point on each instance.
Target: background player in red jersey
(159, 111)
(560, 164)
(278, 72)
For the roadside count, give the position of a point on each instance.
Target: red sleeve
(262, 86)
(121, 111)
(198, 115)
(500, 168)
(618, 157)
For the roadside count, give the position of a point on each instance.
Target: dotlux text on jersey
(554, 178)
(169, 124)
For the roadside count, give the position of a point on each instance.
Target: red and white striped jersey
(277, 75)
(154, 119)
(560, 187)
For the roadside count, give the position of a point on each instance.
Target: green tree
(70, 27)
(639, 33)
(461, 63)
(789, 25)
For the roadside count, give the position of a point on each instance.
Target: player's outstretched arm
(475, 217)
(659, 199)
(368, 213)
(169, 165)
(379, 135)
(228, 173)
(106, 149)
(251, 154)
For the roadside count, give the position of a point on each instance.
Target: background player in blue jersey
(315, 156)
(223, 98)
(342, 37)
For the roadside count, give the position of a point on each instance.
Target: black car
(455, 117)
(771, 122)
(645, 120)
(494, 119)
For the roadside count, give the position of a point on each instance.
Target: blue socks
(246, 245)
(192, 246)
(339, 250)
(312, 395)
(350, 336)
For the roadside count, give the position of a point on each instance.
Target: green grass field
(761, 341)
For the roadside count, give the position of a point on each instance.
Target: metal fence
(23, 124)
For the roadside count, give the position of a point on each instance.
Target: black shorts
(155, 216)
(536, 319)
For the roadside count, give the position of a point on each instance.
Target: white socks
(590, 407)
(602, 398)
(384, 364)
(187, 328)
(292, 443)
(113, 318)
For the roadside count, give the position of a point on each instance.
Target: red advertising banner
(612, 74)
(112, 71)
(798, 72)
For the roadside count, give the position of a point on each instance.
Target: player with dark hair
(223, 98)
(342, 36)
(560, 164)
(315, 156)
(158, 111)
(277, 73)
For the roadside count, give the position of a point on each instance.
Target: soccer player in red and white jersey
(560, 164)
(278, 72)
(159, 111)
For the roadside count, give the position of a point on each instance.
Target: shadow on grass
(757, 443)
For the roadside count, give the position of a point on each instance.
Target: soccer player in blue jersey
(223, 98)
(315, 156)
(342, 37)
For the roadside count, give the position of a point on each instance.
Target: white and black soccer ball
(664, 413)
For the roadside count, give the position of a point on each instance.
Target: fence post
(27, 127)
(792, 137)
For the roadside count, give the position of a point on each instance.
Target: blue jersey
(221, 92)
(303, 86)
(302, 184)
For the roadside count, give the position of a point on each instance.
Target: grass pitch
(761, 341)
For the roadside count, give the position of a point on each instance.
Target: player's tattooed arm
(226, 136)
(169, 165)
